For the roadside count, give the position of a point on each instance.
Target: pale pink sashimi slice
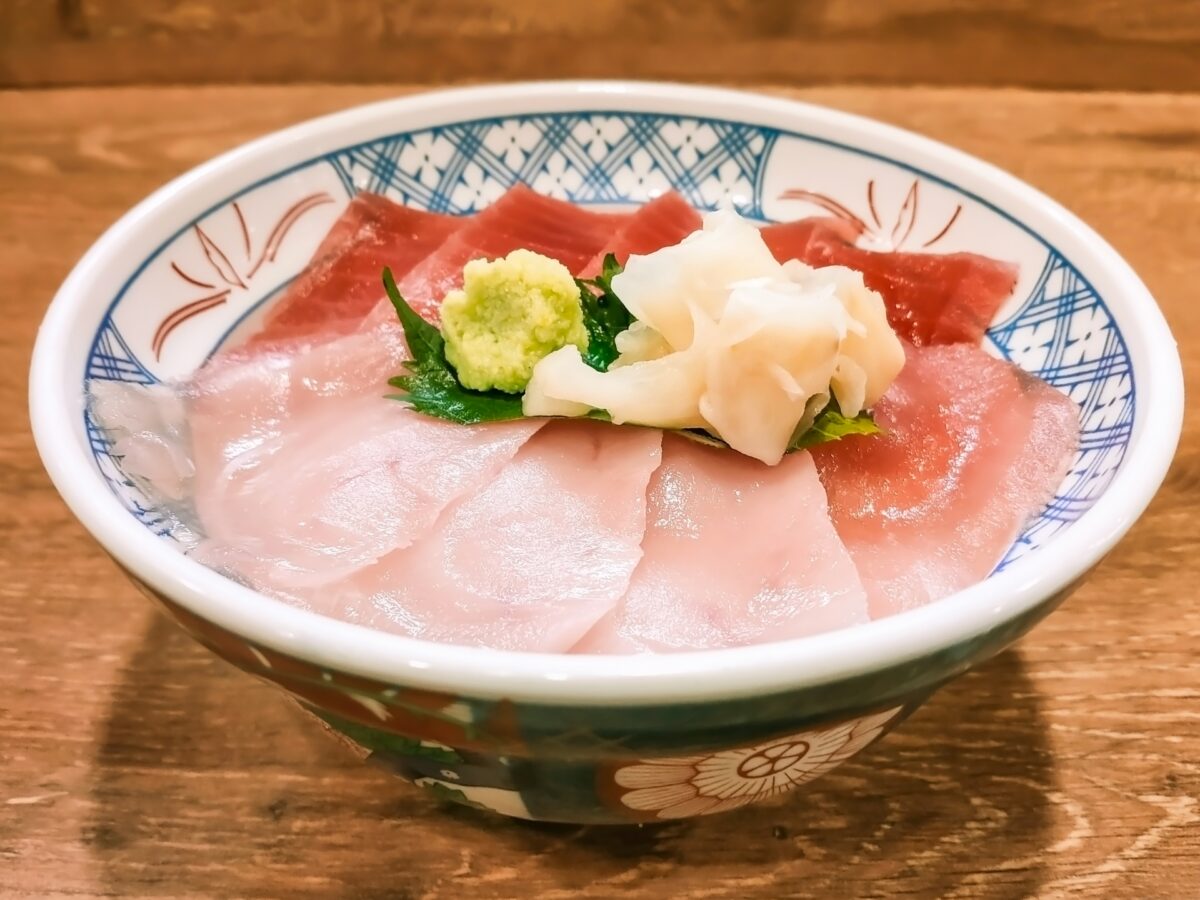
(736, 553)
(343, 283)
(931, 298)
(306, 473)
(974, 446)
(663, 222)
(529, 561)
(520, 219)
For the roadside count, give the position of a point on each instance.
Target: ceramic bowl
(588, 739)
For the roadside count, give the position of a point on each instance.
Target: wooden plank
(1085, 45)
(133, 764)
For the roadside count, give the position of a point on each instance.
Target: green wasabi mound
(510, 313)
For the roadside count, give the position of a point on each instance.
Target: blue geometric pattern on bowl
(1061, 330)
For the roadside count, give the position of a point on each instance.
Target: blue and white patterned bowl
(577, 738)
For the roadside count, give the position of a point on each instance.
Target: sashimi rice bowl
(604, 452)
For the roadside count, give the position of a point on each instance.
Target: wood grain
(1086, 44)
(133, 764)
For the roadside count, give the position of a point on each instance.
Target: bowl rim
(697, 676)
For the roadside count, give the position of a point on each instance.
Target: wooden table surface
(134, 764)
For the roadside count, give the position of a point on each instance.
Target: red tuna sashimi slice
(662, 222)
(305, 473)
(931, 298)
(532, 559)
(974, 446)
(342, 284)
(736, 553)
(519, 219)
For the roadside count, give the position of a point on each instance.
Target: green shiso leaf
(604, 315)
(424, 340)
(831, 425)
(429, 384)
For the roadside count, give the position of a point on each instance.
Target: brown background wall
(1080, 44)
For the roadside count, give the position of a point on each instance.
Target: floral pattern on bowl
(677, 787)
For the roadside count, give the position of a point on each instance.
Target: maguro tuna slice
(529, 561)
(931, 298)
(736, 553)
(974, 446)
(304, 473)
(520, 219)
(664, 221)
(342, 284)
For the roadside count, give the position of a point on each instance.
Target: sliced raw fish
(148, 432)
(305, 473)
(974, 446)
(736, 552)
(529, 561)
(146, 427)
(342, 283)
(931, 298)
(521, 219)
(664, 221)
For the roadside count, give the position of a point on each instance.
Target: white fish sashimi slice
(532, 559)
(291, 470)
(147, 426)
(148, 433)
(305, 473)
(736, 553)
(335, 490)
